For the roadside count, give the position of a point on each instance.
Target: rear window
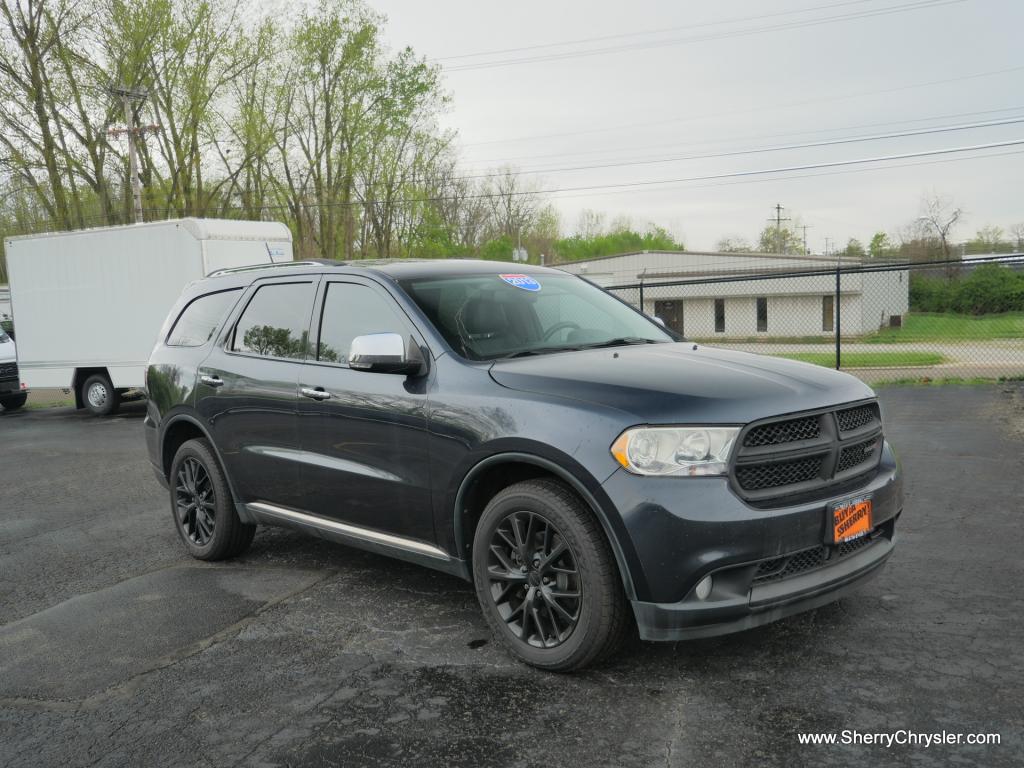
(200, 319)
(276, 322)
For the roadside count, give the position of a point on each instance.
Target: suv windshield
(486, 317)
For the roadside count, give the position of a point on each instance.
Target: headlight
(675, 450)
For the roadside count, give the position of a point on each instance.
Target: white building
(726, 296)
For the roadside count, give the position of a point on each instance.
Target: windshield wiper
(621, 341)
(540, 351)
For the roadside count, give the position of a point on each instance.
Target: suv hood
(676, 383)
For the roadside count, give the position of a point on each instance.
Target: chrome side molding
(346, 531)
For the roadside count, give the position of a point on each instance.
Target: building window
(719, 315)
(671, 313)
(762, 315)
(828, 313)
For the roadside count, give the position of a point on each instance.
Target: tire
(14, 402)
(547, 639)
(212, 531)
(99, 396)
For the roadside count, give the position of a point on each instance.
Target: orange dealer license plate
(850, 519)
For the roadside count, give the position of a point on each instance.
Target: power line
(604, 150)
(761, 150)
(647, 45)
(621, 35)
(733, 113)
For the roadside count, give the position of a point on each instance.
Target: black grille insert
(852, 455)
(855, 418)
(8, 371)
(755, 477)
(809, 559)
(794, 430)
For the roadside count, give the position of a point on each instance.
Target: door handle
(211, 381)
(316, 394)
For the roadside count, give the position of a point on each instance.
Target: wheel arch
(179, 429)
(479, 486)
(79, 377)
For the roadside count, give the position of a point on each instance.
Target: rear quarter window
(200, 319)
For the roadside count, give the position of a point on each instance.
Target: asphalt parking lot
(116, 649)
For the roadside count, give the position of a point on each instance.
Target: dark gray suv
(585, 468)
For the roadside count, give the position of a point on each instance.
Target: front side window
(276, 322)
(352, 310)
(200, 319)
(486, 317)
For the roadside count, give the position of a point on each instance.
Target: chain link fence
(960, 319)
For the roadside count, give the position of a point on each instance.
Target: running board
(346, 533)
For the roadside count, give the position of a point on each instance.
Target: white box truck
(88, 305)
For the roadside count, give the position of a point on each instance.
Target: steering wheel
(560, 327)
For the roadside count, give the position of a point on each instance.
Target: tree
(988, 239)
(940, 214)
(854, 249)
(590, 224)
(733, 244)
(780, 240)
(1018, 232)
(879, 247)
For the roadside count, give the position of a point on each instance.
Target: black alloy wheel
(195, 501)
(546, 578)
(534, 579)
(202, 505)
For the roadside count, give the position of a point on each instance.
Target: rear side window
(352, 310)
(276, 322)
(199, 320)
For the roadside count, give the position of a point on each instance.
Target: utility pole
(805, 227)
(779, 208)
(827, 241)
(127, 96)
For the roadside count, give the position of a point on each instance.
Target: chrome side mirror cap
(386, 353)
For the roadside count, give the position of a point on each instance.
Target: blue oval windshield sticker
(525, 282)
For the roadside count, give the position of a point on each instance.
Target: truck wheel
(204, 513)
(99, 396)
(14, 402)
(546, 578)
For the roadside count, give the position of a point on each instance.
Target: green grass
(927, 326)
(868, 359)
(946, 381)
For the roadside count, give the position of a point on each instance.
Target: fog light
(703, 588)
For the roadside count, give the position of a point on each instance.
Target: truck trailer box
(88, 304)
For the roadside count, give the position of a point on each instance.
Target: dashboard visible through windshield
(487, 317)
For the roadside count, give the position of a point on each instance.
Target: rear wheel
(546, 578)
(99, 396)
(204, 513)
(13, 402)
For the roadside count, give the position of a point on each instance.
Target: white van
(88, 304)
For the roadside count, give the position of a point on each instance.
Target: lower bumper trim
(764, 604)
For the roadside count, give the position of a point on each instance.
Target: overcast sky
(710, 78)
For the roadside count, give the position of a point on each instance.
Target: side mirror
(385, 353)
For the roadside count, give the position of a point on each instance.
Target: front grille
(809, 559)
(758, 476)
(807, 454)
(8, 371)
(852, 419)
(807, 428)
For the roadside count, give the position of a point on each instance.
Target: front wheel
(546, 578)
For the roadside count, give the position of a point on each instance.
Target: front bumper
(683, 529)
